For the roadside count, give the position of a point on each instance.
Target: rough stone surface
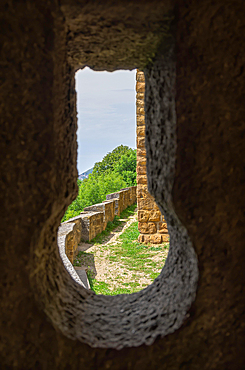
(96, 32)
(63, 232)
(149, 215)
(108, 209)
(118, 197)
(92, 224)
(195, 159)
(83, 276)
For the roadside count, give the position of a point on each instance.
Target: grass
(136, 258)
(83, 258)
(131, 266)
(99, 239)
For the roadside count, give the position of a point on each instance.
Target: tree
(109, 162)
(126, 167)
(117, 170)
(94, 190)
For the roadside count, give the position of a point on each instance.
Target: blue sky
(106, 114)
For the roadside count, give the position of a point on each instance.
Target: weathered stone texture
(108, 209)
(123, 199)
(93, 220)
(149, 215)
(93, 224)
(192, 317)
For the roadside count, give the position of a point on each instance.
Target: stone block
(141, 142)
(134, 198)
(156, 239)
(141, 162)
(140, 110)
(140, 96)
(141, 238)
(108, 209)
(118, 196)
(131, 195)
(154, 215)
(140, 102)
(142, 191)
(147, 227)
(146, 204)
(140, 131)
(141, 152)
(165, 238)
(162, 227)
(127, 198)
(141, 170)
(141, 121)
(92, 224)
(141, 179)
(140, 76)
(143, 216)
(140, 86)
(147, 239)
(72, 230)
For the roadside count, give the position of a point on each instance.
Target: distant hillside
(85, 174)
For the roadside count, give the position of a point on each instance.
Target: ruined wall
(93, 220)
(152, 225)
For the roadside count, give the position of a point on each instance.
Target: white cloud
(106, 113)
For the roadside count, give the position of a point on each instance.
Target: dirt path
(100, 260)
(98, 263)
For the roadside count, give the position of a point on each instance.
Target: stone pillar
(152, 226)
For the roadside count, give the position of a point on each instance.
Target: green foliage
(94, 190)
(111, 159)
(121, 160)
(117, 170)
(126, 167)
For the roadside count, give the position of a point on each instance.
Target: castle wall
(152, 225)
(192, 316)
(93, 220)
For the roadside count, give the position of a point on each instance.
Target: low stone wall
(92, 224)
(64, 233)
(123, 198)
(107, 208)
(92, 221)
(118, 197)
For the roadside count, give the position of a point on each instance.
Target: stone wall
(123, 198)
(152, 225)
(107, 208)
(194, 112)
(93, 220)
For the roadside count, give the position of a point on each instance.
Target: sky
(106, 105)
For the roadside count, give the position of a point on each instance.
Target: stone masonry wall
(152, 226)
(108, 209)
(93, 220)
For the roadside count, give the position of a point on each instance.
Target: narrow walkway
(110, 264)
(95, 260)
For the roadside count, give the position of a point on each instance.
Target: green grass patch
(99, 239)
(84, 258)
(136, 261)
(134, 257)
(128, 211)
(100, 287)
